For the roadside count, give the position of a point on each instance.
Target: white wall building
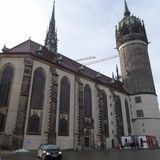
(46, 97)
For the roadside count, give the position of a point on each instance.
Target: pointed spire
(126, 11)
(52, 21)
(51, 36)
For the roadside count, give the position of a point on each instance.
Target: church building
(46, 97)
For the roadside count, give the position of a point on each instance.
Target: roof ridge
(22, 44)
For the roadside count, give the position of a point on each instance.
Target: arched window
(64, 95)
(63, 127)
(5, 85)
(34, 124)
(37, 96)
(105, 114)
(2, 120)
(128, 117)
(87, 101)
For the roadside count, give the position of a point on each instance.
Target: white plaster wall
(34, 141)
(149, 105)
(150, 123)
(147, 127)
(18, 64)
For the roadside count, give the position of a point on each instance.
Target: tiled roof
(30, 46)
(27, 46)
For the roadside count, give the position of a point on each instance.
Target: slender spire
(52, 21)
(51, 36)
(126, 11)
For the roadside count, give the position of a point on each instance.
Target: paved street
(94, 155)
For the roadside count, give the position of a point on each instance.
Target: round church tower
(132, 45)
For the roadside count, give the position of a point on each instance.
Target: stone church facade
(46, 97)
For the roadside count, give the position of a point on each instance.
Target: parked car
(49, 151)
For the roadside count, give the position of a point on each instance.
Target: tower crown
(132, 46)
(130, 28)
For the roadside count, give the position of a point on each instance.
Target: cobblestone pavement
(93, 155)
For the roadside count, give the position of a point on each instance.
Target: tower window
(140, 113)
(138, 99)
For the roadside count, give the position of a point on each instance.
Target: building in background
(46, 97)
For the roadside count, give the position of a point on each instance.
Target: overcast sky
(85, 27)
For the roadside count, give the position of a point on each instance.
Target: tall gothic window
(37, 96)
(63, 128)
(87, 101)
(2, 121)
(65, 95)
(5, 85)
(105, 114)
(34, 124)
(128, 117)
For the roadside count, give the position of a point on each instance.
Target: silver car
(49, 151)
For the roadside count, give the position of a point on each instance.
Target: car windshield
(50, 146)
